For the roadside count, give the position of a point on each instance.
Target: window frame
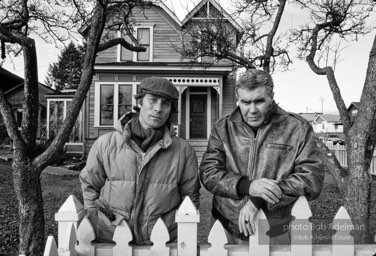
(151, 41)
(97, 96)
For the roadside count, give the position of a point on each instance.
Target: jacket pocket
(104, 228)
(279, 146)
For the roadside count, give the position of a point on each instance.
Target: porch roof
(181, 67)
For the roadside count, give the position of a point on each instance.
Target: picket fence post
(51, 248)
(71, 212)
(159, 237)
(85, 234)
(342, 241)
(217, 238)
(68, 246)
(301, 228)
(122, 237)
(187, 218)
(259, 243)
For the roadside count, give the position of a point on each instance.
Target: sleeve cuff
(257, 201)
(242, 188)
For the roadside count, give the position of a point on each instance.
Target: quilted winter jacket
(283, 149)
(136, 186)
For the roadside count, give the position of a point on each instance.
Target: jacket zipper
(253, 152)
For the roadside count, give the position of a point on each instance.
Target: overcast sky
(298, 90)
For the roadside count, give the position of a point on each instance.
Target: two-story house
(206, 93)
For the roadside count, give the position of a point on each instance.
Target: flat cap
(159, 86)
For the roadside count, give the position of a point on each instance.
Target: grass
(56, 189)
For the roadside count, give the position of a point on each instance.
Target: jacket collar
(236, 115)
(123, 126)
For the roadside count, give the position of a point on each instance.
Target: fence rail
(341, 153)
(76, 233)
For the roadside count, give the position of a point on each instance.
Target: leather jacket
(283, 149)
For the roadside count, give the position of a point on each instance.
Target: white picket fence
(341, 154)
(75, 236)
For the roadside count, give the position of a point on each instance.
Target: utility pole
(322, 104)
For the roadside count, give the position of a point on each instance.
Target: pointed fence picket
(76, 234)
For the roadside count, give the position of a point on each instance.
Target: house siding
(229, 100)
(165, 36)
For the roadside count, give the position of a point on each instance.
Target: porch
(199, 146)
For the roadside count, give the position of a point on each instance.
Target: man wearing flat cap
(141, 171)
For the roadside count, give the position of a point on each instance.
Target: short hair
(253, 78)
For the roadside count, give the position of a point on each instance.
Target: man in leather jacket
(260, 156)
(141, 171)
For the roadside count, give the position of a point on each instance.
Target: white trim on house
(169, 12)
(217, 6)
(187, 111)
(118, 53)
(162, 68)
(97, 97)
(208, 106)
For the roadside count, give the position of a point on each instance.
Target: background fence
(75, 236)
(341, 154)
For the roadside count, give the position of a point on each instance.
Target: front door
(198, 116)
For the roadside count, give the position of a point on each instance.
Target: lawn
(57, 188)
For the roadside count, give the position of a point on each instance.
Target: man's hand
(247, 219)
(267, 189)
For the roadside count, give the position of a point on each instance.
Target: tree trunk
(31, 92)
(361, 145)
(30, 206)
(332, 166)
(357, 194)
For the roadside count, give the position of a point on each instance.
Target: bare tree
(262, 46)
(346, 19)
(258, 45)
(19, 21)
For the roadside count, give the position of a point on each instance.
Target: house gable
(163, 31)
(210, 9)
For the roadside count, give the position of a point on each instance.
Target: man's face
(154, 111)
(253, 104)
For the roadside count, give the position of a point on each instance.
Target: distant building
(324, 123)
(13, 88)
(353, 111)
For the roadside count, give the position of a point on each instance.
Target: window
(125, 99)
(112, 100)
(57, 109)
(354, 112)
(144, 36)
(106, 104)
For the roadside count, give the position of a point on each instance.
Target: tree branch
(123, 43)
(328, 71)
(10, 123)
(273, 31)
